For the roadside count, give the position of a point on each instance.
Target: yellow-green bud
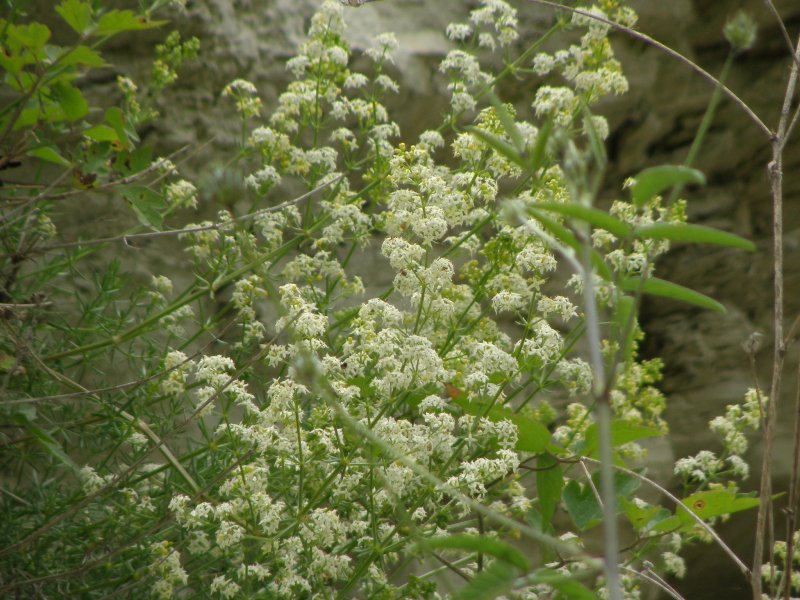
(740, 31)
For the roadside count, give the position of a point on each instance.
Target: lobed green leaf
(76, 13)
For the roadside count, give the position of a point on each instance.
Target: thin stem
(791, 509)
(125, 238)
(775, 171)
(705, 124)
(784, 32)
(672, 53)
(649, 575)
(705, 526)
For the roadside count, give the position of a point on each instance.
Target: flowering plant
(319, 437)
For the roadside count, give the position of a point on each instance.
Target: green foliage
(268, 431)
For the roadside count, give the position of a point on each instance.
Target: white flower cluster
(434, 368)
(167, 570)
(589, 67)
(492, 24)
(181, 194)
(738, 418)
(263, 180)
(245, 95)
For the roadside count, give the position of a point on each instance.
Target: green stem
(705, 124)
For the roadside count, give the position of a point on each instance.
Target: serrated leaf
(582, 505)
(32, 36)
(492, 582)
(49, 154)
(651, 182)
(147, 205)
(500, 146)
(82, 55)
(116, 21)
(70, 99)
(549, 485)
(533, 437)
(476, 543)
(666, 289)
(77, 14)
(622, 432)
(594, 216)
(698, 234)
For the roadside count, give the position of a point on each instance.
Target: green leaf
(643, 518)
(533, 436)
(582, 505)
(477, 543)
(46, 441)
(101, 133)
(651, 182)
(699, 234)
(28, 117)
(70, 99)
(625, 315)
(539, 153)
(566, 237)
(147, 205)
(13, 62)
(500, 146)
(49, 154)
(595, 142)
(492, 582)
(116, 119)
(566, 584)
(115, 21)
(666, 289)
(7, 363)
(510, 127)
(549, 484)
(714, 503)
(82, 55)
(140, 159)
(624, 484)
(77, 14)
(32, 36)
(706, 505)
(594, 216)
(622, 432)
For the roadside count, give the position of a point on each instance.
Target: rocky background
(654, 123)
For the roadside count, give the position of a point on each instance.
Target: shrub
(283, 433)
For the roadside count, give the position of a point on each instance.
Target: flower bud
(740, 31)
